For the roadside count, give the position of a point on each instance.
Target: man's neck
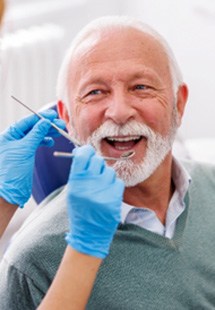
(154, 193)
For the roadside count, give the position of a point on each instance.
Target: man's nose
(120, 109)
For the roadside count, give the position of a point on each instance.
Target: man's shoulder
(199, 169)
(202, 181)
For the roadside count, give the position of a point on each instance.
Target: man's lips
(123, 143)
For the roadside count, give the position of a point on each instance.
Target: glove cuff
(10, 198)
(90, 249)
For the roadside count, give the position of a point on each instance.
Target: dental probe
(61, 131)
(125, 155)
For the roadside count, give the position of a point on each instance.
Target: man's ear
(63, 111)
(182, 96)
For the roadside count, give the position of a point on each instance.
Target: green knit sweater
(143, 271)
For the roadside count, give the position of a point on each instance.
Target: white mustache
(131, 128)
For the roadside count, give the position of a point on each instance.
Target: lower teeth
(121, 148)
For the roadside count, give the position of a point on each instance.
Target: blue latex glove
(18, 146)
(94, 202)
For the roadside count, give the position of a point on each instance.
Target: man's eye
(94, 92)
(141, 87)
(94, 95)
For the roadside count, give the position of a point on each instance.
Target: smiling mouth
(123, 143)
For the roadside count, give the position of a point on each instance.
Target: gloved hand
(18, 146)
(94, 202)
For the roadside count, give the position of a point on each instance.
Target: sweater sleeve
(17, 290)
(32, 259)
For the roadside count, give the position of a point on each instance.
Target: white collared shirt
(147, 218)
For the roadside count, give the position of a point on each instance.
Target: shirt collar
(181, 179)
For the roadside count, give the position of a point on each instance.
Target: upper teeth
(125, 139)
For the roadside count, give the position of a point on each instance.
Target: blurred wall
(31, 50)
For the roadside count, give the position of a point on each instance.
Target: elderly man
(120, 89)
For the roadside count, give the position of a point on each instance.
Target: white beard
(157, 148)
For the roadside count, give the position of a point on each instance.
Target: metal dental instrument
(61, 131)
(125, 155)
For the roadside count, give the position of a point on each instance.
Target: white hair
(104, 25)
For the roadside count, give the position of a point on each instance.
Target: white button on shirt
(147, 218)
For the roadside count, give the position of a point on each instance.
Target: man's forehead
(119, 47)
(126, 37)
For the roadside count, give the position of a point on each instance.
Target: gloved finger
(27, 123)
(47, 141)
(109, 175)
(22, 127)
(49, 114)
(58, 122)
(38, 133)
(96, 165)
(82, 156)
(120, 187)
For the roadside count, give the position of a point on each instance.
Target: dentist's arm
(94, 204)
(73, 282)
(7, 211)
(18, 146)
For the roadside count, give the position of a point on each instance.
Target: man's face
(122, 98)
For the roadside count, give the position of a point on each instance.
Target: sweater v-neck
(157, 239)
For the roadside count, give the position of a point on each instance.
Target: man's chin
(131, 174)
